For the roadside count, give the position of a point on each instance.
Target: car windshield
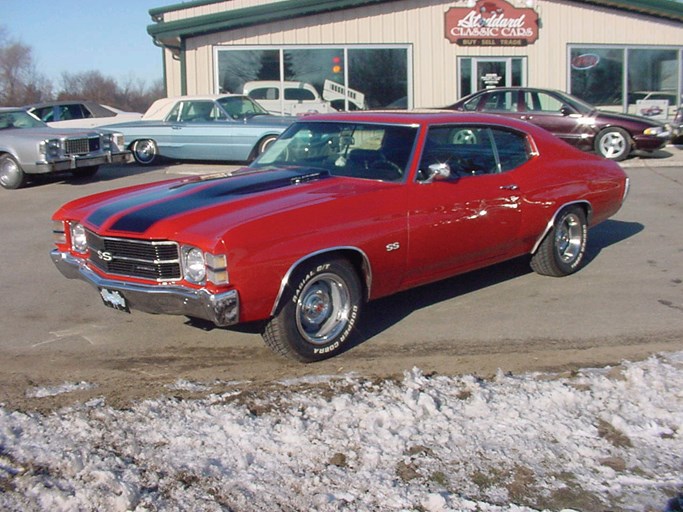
(241, 107)
(18, 119)
(368, 151)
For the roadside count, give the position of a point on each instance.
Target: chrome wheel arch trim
(551, 222)
(365, 276)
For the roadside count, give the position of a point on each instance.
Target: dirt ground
(627, 303)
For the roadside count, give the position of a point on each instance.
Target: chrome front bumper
(222, 308)
(78, 162)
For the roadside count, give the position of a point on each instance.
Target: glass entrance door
(477, 73)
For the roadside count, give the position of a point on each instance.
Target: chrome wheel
(317, 315)
(569, 237)
(145, 151)
(322, 311)
(12, 175)
(561, 252)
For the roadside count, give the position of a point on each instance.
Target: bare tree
(92, 85)
(19, 82)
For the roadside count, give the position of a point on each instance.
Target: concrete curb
(669, 156)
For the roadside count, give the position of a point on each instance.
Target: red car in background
(343, 208)
(611, 135)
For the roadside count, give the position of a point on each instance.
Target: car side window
(505, 101)
(542, 102)
(512, 148)
(299, 95)
(467, 150)
(473, 150)
(45, 114)
(265, 93)
(196, 111)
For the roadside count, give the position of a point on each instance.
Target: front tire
(12, 176)
(613, 144)
(562, 250)
(145, 151)
(318, 311)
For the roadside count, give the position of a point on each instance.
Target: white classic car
(79, 114)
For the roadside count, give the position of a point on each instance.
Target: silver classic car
(28, 146)
(225, 127)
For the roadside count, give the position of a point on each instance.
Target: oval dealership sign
(491, 23)
(585, 61)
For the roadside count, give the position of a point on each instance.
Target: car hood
(615, 118)
(207, 207)
(51, 133)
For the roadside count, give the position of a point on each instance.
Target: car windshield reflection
(367, 151)
(18, 119)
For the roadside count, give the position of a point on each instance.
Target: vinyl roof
(172, 32)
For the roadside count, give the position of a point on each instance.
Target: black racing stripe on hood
(177, 200)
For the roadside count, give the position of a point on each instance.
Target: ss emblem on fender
(394, 246)
(104, 255)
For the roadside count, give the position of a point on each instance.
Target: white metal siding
(420, 23)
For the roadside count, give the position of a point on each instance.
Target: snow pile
(600, 439)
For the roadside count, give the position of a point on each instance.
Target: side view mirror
(565, 110)
(438, 172)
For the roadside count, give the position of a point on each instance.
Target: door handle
(512, 186)
(525, 118)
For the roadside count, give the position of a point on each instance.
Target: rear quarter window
(513, 148)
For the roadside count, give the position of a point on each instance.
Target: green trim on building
(160, 11)
(169, 33)
(667, 9)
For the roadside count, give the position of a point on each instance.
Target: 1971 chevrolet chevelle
(341, 209)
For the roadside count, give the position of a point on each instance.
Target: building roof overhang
(171, 34)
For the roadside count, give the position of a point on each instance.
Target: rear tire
(12, 176)
(318, 311)
(262, 146)
(562, 250)
(145, 151)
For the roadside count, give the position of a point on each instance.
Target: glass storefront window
(295, 81)
(652, 82)
(642, 81)
(597, 76)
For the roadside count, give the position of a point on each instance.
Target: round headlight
(78, 241)
(195, 269)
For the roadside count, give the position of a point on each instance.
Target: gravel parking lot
(627, 303)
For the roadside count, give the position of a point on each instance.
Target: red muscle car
(343, 208)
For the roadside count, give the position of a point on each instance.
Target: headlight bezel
(51, 148)
(193, 264)
(200, 267)
(77, 235)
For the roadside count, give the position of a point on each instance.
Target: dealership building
(623, 55)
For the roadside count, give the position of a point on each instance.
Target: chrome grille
(158, 261)
(81, 146)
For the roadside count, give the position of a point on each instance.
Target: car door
(551, 113)
(472, 218)
(195, 130)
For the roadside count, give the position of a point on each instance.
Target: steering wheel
(386, 169)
